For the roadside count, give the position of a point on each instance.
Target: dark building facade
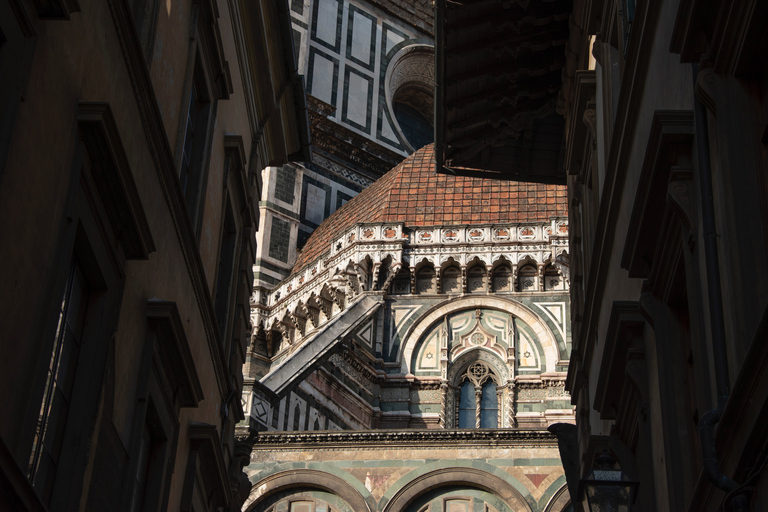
(133, 136)
(664, 153)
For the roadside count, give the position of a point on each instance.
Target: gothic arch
(296, 478)
(516, 309)
(465, 360)
(444, 477)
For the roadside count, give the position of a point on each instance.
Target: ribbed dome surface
(414, 194)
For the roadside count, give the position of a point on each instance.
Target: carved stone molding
(431, 437)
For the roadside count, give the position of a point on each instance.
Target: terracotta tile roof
(414, 194)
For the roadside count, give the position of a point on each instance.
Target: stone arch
(424, 261)
(501, 485)
(450, 276)
(527, 275)
(559, 500)
(477, 270)
(410, 79)
(479, 259)
(425, 277)
(465, 360)
(311, 478)
(516, 309)
(502, 276)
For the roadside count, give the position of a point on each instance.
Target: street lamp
(607, 489)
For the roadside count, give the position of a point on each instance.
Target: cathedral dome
(415, 195)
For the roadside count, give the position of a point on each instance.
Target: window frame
(102, 226)
(205, 473)
(167, 382)
(208, 72)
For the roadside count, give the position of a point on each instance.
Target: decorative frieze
(432, 437)
(359, 258)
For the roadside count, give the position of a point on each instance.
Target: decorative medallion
(314, 270)
(450, 236)
(368, 233)
(525, 233)
(562, 227)
(339, 246)
(476, 235)
(547, 231)
(425, 236)
(301, 280)
(389, 232)
(351, 238)
(290, 288)
(501, 234)
(477, 339)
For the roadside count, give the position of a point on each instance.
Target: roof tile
(409, 193)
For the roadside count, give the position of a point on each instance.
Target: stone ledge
(429, 437)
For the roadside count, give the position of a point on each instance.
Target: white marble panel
(327, 19)
(322, 78)
(361, 37)
(386, 129)
(357, 101)
(315, 205)
(393, 38)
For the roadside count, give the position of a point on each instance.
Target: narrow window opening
(191, 171)
(467, 405)
(57, 395)
(489, 406)
(226, 268)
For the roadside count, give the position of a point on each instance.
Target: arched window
(552, 279)
(467, 405)
(476, 279)
(478, 397)
(384, 270)
(425, 280)
(401, 284)
(451, 280)
(502, 278)
(489, 406)
(526, 278)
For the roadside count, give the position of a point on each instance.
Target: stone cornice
(389, 438)
(394, 238)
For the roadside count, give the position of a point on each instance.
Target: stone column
(456, 401)
(443, 403)
(499, 402)
(375, 278)
(540, 279)
(478, 397)
(514, 278)
(511, 413)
